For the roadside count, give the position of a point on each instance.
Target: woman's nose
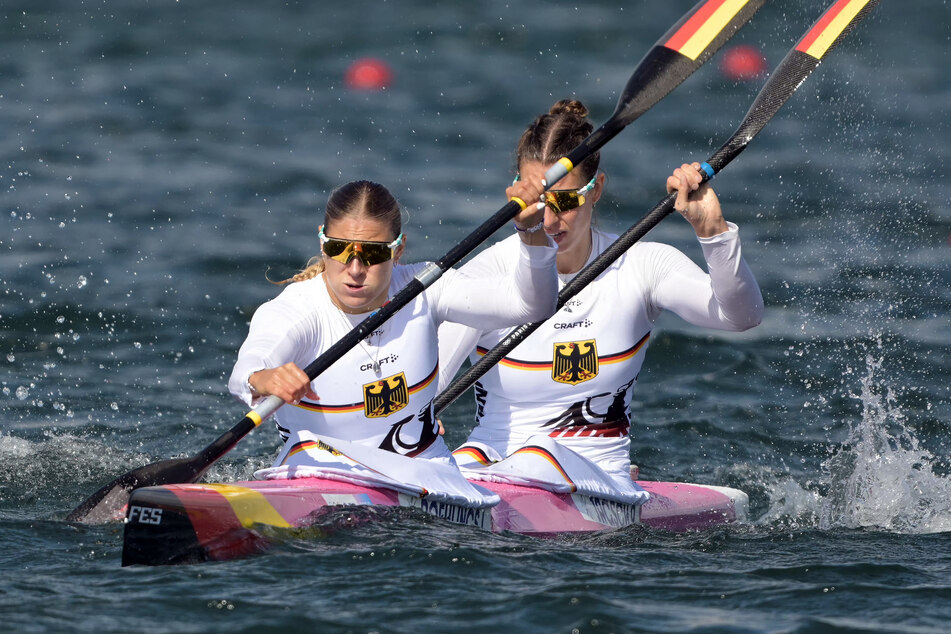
(356, 266)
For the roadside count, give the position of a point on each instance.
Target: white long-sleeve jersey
(380, 393)
(573, 377)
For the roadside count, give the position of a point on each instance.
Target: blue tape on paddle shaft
(708, 170)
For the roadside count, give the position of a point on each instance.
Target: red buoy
(743, 63)
(368, 74)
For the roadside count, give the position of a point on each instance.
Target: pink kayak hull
(186, 523)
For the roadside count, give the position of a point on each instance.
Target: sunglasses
(562, 200)
(368, 252)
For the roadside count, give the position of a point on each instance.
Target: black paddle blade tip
(105, 505)
(108, 503)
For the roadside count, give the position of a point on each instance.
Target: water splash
(47, 475)
(881, 477)
(791, 505)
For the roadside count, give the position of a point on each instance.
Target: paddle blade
(675, 56)
(682, 50)
(825, 34)
(106, 504)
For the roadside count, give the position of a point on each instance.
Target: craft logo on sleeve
(574, 362)
(385, 396)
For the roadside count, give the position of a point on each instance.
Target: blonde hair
(362, 199)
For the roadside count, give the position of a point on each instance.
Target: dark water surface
(160, 157)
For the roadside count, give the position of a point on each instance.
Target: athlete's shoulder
(495, 258)
(603, 240)
(645, 253)
(300, 294)
(298, 303)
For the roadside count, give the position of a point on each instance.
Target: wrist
(248, 383)
(532, 229)
(710, 229)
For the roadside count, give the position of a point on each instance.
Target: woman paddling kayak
(572, 379)
(380, 393)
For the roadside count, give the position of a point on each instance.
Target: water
(161, 158)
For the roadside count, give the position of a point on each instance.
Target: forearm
(735, 290)
(726, 297)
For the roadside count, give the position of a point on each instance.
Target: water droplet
(114, 406)
(22, 393)
(60, 319)
(137, 345)
(11, 358)
(81, 282)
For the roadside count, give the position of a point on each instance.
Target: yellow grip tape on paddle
(250, 506)
(521, 203)
(566, 163)
(255, 417)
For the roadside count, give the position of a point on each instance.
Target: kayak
(192, 523)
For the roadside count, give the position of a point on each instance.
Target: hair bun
(569, 107)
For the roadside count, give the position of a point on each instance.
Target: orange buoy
(742, 63)
(368, 74)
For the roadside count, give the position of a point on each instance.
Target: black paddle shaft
(785, 80)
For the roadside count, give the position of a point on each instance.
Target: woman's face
(356, 287)
(571, 230)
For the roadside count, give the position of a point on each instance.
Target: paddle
(837, 21)
(681, 51)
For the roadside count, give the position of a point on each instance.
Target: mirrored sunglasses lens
(374, 253)
(369, 253)
(562, 201)
(334, 248)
